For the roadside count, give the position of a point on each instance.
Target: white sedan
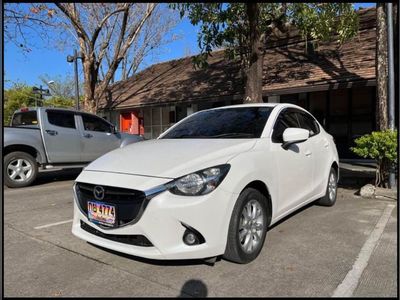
(210, 185)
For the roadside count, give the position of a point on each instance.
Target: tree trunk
(381, 67)
(253, 91)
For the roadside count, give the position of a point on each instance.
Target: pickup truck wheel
(20, 169)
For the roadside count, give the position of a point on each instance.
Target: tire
(330, 198)
(236, 244)
(20, 169)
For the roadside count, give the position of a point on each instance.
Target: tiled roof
(287, 67)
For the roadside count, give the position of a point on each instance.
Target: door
(98, 137)
(294, 165)
(320, 149)
(126, 122)
(61, 136)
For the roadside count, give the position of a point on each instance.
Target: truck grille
(130, 204)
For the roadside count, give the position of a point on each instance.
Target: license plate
(101, 213)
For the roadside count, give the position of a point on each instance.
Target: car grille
(129, 204)
(137, 240)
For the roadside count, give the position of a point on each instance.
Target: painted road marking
(53, 224)
(350, 282)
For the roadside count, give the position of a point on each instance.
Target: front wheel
(20, 169)
(331, 190)
(247, 228)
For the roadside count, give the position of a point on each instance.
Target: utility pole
(389, 9)
(74, 59)
(40, 91)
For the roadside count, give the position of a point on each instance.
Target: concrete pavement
(307, 254)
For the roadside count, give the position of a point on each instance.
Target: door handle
(308, 153)
(88, 135)
(51, 132)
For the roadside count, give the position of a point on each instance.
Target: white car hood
(170, 158)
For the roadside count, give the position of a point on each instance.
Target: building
(336, 84)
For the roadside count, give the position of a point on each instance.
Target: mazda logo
(98, 192)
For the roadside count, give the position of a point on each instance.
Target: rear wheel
(331, 190)
(247, 228)
(20, 169)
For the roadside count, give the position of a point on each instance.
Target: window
(25, 118)
(92, 123)
(308, 122)
(286, 119)
(61, 118)
(245, 122)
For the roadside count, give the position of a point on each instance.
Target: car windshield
(236, 122)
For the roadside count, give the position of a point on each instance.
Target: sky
(28, 67)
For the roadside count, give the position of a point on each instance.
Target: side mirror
(294, 135)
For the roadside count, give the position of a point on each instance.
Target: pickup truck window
(61, 118)
(24, 118)
(91, 123)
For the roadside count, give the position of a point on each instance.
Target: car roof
(32, 108)
(273, 105)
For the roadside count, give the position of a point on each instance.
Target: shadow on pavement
(195, 288)
(58, 175)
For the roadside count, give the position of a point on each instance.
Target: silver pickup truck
(44, 138)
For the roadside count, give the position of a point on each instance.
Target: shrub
(381, 146)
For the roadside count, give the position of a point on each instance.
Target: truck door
(97, 137)
(61, 136)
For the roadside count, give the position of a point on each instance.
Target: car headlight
(199, 183)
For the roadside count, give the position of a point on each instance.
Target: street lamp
(74, 59)
(41, 92)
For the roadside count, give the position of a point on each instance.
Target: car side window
(286, 119)
(92, 123)
(309, 123)
(61, 118)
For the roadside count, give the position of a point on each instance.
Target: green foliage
(378, 145)
(16, 97)
(226, 24)
(59, 101)
(381, 146)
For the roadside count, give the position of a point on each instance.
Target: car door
(294, 165)
(60, 136)
(97, 137)
(320, 148)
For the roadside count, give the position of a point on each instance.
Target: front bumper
(161, 221)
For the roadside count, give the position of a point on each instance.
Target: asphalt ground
(349, 249)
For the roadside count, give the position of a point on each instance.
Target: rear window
(26, 118)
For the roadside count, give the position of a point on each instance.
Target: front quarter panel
(254, 165)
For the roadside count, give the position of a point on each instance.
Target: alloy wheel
(19, 170)
(251, 226)
(332, 186)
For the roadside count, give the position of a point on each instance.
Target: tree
(381, 67)
(61, 87)
(107, 35)
(382, 147)
(244, 30)
(18, 96)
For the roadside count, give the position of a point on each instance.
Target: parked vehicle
(52, 137)
(210, 185)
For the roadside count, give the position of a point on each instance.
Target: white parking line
(53, 224)
(350, 282)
